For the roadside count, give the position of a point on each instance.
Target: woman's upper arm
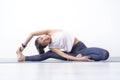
(41, 32)
(47, 32)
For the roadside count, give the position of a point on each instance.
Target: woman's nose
(44, 39)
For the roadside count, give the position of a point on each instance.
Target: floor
(60, 71)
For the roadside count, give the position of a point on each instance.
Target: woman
(62, 46)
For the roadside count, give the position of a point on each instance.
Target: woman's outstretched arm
(31, 35)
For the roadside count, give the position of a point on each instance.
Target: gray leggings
(94, 53)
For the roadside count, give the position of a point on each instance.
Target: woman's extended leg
(44, 56)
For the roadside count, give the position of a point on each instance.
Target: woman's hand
(85, 58)
(20, 49)
(20, 56)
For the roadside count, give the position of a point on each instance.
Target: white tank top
(62, 40)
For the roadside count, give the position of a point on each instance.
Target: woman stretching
(62, 45)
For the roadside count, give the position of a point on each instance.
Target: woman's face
(44, 40)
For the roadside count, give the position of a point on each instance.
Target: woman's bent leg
(44, 56)
(96, 54)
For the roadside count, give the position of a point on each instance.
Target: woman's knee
(102, 55)
(105, 55)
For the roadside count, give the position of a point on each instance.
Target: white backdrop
(95, 22)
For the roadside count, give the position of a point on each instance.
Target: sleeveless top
(62, 40)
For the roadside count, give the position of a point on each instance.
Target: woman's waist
(76, 41)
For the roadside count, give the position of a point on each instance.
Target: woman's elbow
(32, 34)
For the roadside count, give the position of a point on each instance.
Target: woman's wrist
(23, 45)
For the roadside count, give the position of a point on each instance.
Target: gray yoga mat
(13, 60)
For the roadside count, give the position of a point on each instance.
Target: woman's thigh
(77, 48)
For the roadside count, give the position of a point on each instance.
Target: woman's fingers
(86, 58)
(19, 50)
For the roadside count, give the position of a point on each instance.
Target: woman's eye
(41, 38)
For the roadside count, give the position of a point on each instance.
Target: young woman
(62, 45)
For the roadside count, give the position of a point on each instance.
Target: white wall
(95, 22)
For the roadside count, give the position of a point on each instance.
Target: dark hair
(39, 47)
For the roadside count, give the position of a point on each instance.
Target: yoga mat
(51, 60)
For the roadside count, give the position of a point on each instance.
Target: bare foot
(20, 56)
(84, 58)
(79, 56)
